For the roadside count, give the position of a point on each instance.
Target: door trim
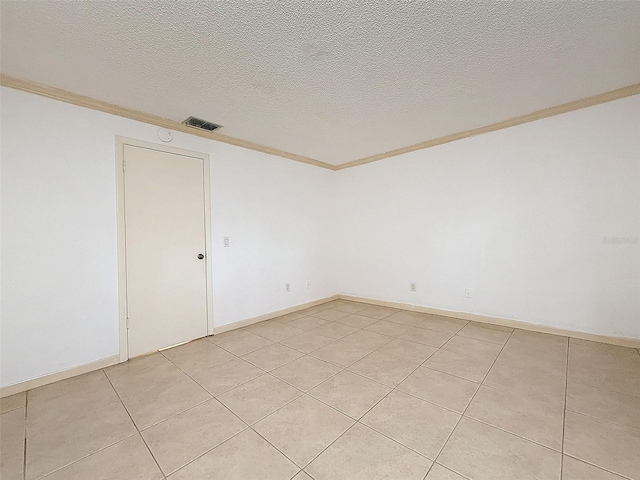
(122, 259)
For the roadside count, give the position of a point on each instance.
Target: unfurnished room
(319, 240)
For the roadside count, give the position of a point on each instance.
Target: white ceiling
(333, 81)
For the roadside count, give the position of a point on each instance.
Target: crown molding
(88, 102)
(512, 122)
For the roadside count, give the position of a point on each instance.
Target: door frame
(122, 258)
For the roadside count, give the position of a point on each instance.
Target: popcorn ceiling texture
(334, 81)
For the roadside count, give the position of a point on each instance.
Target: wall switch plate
(412, 286)
(225, 241)
(468, 294)
(287, 287)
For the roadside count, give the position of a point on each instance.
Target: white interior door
(164, 237)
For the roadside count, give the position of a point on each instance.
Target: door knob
(200, 256)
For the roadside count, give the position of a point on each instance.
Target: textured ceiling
(333, 81)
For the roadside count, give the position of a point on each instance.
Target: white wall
(517, 216)
(59, 257)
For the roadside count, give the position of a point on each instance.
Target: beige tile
(245, 344)
(330, 315)
(49, 449)
(343, 352)
(312, 310)
(367, 339)
(351, 307)
(275, 331)
(440, 388)
(303, 428)
(307, 342)
(383, 368)
(432, 338)
(334, 330)
(12, 434)
(129, 458)
(350, 393)
(472, 367)
(220, 379)
(411, 352)
(538, 383)
(182, 438)
(552, 358)
(604, 404)
(334, 303)
(261, 396)
(307, 323)
(438, 472)
(356, 321)
(522, 416)
(542, 340)
(134, 364)
(605, 356)
(488, 333)
(163, 402)
(573, 469)
(272, 356)
(196, 356)
(221, 338)
(443, 324)
(483, 452)
(289, 317)
(150, 378)
(408, 318)
(391, 329)
(525, 348)
(375, 311)
(247, 456)
(363, 454)
(612, 379)
(604, 348)
(59, 401)
(302, 476)
(471, 346)
(604, 444)
(306, 372)
(417, 424)
(12, 402)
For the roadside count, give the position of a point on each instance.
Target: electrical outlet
(287, 287)
(467, 293)
(225, 241)
(308, 284)
(412, 286)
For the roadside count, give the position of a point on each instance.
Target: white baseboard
(112, 360)
(57, 376)
(505, 322)
(269, 316)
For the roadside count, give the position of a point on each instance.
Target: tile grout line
(345, 368)
(342, 369)
(73, 462)
(357, 421)
(248, 426)
(135, 426)
(621, 475)
(392, 389)
(26, 413)
(471, 400)
(564, 409)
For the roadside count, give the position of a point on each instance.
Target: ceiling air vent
(201, 124)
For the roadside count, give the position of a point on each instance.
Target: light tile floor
(340, 391)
